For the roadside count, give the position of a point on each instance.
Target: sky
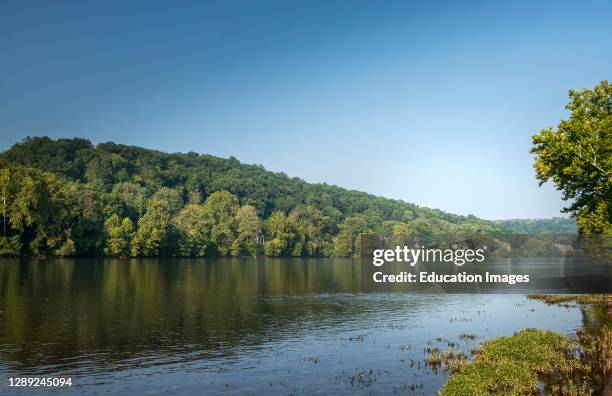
(430, 102)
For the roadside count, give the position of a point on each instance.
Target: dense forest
(69, 197)
(556, 225)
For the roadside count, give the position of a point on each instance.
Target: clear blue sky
(430, 102)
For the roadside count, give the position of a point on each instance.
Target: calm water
(240, 326)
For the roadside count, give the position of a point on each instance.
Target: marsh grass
(532, 361)
(454, 361)
(595, 351)
(449, 360)
(512, 365)
(556, 299)
(467, 336)
(434, 360)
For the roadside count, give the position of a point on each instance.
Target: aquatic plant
(434, 360)
(579, 298)
(468, 336)
(521, 364)
(512, 365)
(430, 349)
(453, 361)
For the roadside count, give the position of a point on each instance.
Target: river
(243, 326)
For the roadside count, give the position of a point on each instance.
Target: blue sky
(430, 102)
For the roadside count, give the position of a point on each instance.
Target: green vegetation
(552, 299)
(518, 365)
(468, 336)
(68, 197)
(434, 359)
(577, 156)
(513, 365)
(556, 225)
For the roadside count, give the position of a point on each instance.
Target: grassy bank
(534, 360)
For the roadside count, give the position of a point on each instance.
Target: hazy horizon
(430, 103)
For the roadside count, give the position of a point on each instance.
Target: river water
(243, 326)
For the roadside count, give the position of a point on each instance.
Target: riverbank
(534, 360)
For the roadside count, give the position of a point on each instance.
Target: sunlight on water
(240, 326)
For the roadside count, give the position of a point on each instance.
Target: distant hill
(556, 225)
(70, 197)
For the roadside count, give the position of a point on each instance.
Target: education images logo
(458, 257)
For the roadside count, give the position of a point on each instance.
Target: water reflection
(93, 317)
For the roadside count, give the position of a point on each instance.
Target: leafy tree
(128, 199)
(350, 230)
(194, 231)
(249, 228)
(274, 248)
(154, 235)
(577, 156)
(118, 235)
(42, 211)
(219, 211)
(63, 157)
(174, 197)
(385, 229)
(87, 230)
(279, 233)
(308, 225)
(402, 234)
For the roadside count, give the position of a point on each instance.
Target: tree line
(68, 197)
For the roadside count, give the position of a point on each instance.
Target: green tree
(154, 235)
(174, 198)
(128, 199)
(248, 227)
(191, 222)
(307, 224)
(402, 234)
(118, 235)
(42, 211)
(279, 234)
(346, 242)
(577, 156)
(87, 229)
(219, 212)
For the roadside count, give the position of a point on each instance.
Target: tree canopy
(70, 197)
(577, 157)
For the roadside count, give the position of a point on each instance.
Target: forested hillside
(70, 197)
(556, 225)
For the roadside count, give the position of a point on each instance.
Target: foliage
(517, 365)
(153, 237)
(219, 213)
(350, 233)
(193, 229)
(118, 235)
(248, 227)
(513, 365)
(577, 156)
(552, 299)
(556, 225)
(70, 197)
